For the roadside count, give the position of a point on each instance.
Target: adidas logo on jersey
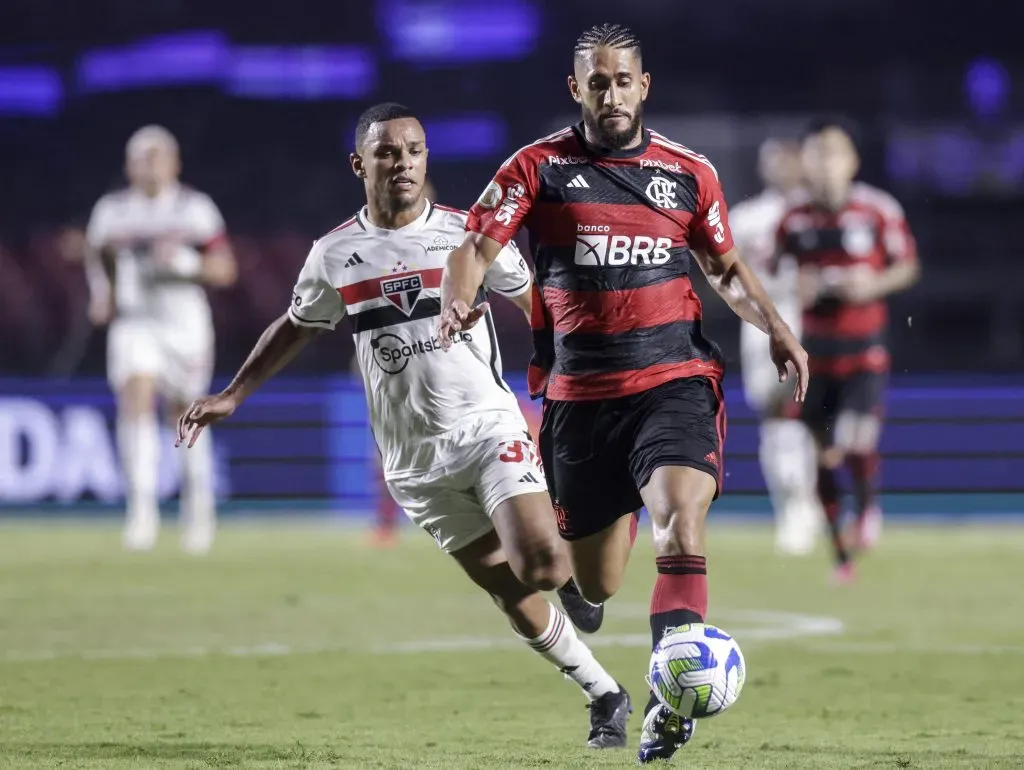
(529, 478)
(578, 181)
(354, 260)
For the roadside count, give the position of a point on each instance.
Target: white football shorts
(761, 383)
(180, 359)
(454, 504)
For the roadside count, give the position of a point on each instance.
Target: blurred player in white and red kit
(151, 249)
(786, 448)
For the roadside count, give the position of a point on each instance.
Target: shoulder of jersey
(879, 200)
(449, 216)
(562, 142)
(339, 234)
(192, 195)
(690, 160)
(115, 197)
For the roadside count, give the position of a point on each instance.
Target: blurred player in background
(456, 454)
(786, 448)
(853, 248)
(633, 407)
(151, 249)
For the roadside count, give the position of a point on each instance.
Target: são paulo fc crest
(403, 292)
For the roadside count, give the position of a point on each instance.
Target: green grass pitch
(299, 647)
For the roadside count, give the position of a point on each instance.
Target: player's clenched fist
(458, 317)
(202, 412)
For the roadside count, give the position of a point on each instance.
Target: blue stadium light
(187, 58)
(456, 31)
(466, 137)
(987, 86)
(30, 91)
(304, 73)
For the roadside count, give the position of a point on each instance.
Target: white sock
(197, 500)
(138, 439)
(787, 461)
(560, 645)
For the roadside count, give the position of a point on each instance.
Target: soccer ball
(697, 670)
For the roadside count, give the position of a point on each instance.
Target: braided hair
(608, 35)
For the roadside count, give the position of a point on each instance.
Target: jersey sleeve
(98, 229)
(897, 239)
(507, 199)
(207, 222)
(315, 300)
(508, 275)
(710, 230)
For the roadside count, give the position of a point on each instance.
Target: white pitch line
(749, 626)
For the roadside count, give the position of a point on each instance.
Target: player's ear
(645, 85)
(357, 165)
(574, 89)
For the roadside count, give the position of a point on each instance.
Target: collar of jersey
(169, 193)
(417, 224)
(604, 152)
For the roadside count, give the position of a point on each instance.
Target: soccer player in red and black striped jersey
(853, 248)
(633, 411)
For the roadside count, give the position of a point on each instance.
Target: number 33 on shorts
(520, 451)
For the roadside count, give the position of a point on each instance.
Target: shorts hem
(610, 520)
(466, 541)
(490, 509)
(682, 462)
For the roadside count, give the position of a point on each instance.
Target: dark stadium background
(263, 98)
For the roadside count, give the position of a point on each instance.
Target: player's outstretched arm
(463, 276)
(278, 345)
(736, 283)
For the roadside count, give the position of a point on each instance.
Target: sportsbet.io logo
(392, 354)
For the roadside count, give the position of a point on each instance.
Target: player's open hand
(785, 350)
(458, 317)
(203, 412)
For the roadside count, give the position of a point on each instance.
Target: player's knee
(679, 528)
(545, 567)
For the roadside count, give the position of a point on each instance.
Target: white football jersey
(425, 404)
(126, 220)
(755, 223)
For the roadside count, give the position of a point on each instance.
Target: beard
(607, 137)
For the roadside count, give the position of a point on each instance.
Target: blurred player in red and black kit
(633, 411)
(853, 247)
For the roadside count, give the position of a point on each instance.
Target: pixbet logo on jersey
(392, 354)
(620, 250)
(403, 292)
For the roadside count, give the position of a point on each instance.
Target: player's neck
(595, 141)
(154, 192)
(386, 219)
(833, 199)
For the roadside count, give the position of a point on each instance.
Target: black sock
(828, 493)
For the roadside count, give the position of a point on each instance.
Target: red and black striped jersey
(611, 231)
(869, 232)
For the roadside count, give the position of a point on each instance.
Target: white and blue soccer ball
(697, 670)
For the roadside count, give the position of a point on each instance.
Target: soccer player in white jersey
(786, 448)
(151, 248)
(455, 449)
